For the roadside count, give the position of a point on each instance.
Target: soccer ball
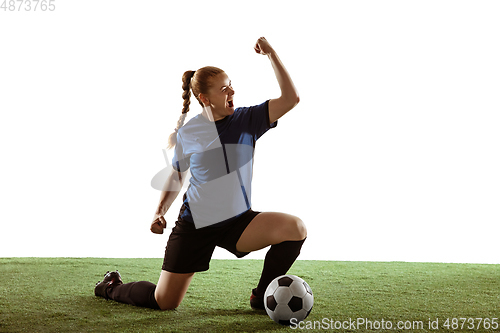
(287, 297)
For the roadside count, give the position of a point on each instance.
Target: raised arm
(289, 94)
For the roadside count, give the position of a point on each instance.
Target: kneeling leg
(140, 293)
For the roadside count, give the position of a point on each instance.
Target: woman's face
(220, 97)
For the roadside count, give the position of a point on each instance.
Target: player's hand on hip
(263, 47)
(158, 224)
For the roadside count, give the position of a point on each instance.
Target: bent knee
(165, 305)
(167, 302)
(301, 229)
(296, 229)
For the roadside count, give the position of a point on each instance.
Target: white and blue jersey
(220, 157)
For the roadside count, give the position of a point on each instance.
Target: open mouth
(230, 103)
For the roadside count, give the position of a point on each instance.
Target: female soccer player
(217, 146)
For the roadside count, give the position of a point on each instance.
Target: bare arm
(289, 95)
(171, 189)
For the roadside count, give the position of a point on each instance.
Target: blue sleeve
(256, 119)
(180, 162)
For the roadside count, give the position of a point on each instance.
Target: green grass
(57, 295)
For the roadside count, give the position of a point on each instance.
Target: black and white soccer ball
(287, 297)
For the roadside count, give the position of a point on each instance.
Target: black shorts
(189, 249)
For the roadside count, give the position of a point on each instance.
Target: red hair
(199, 82)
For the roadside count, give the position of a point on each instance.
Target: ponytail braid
(186, 95)
(198, 85)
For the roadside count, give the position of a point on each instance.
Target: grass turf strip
(57, 295)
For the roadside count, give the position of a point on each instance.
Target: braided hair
(198, 82)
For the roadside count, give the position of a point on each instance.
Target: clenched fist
(158, 224)
(263, 47)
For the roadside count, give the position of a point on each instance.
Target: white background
(392, 153)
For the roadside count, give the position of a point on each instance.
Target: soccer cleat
(256, 302)
(111, 279)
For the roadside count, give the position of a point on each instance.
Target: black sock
(278, 261)
(140, 293)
